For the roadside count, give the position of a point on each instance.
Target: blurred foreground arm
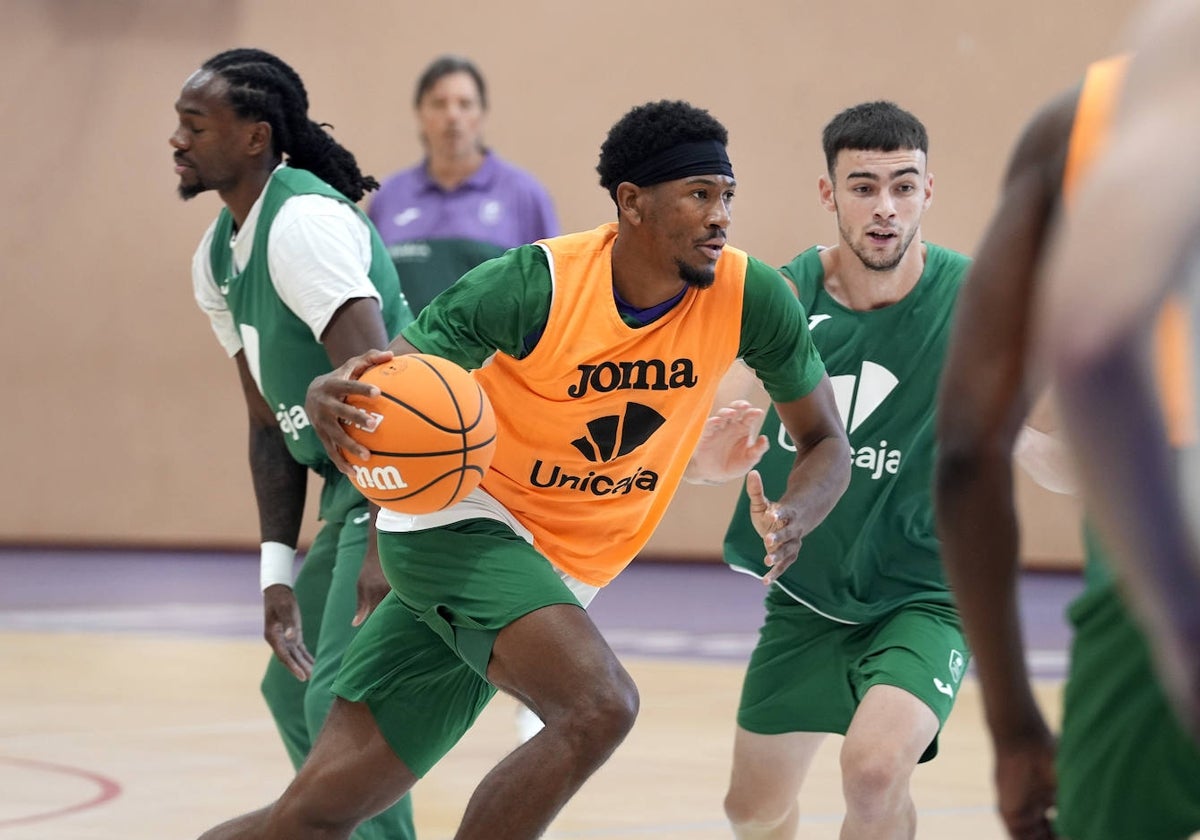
(986, 391)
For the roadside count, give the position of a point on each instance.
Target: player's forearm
(818, 479)
(280, 484)
(401, 347)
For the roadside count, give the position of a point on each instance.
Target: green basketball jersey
(877, 549)
(279, 346)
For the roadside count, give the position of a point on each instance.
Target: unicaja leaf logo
(859, 396)
(614, 435)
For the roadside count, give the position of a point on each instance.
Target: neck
(241, 197)
(449, 172)
(638, 279)
(860, 288)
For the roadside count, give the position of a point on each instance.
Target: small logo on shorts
(957, 662)
(942, 687)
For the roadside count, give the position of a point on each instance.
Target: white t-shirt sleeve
(209, 297)
(319, 253)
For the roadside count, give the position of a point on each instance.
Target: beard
(879, 262)
(700, 278)
(190, 191)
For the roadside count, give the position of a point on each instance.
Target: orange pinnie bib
(1174, 366)
(596, 425)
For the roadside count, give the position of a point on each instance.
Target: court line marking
(109, 790)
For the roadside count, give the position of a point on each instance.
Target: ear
(630, 202)
(825, 191)
(928, 190)
(258, 140)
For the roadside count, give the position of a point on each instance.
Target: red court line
(109, 790)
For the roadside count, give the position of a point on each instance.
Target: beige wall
(122, 420)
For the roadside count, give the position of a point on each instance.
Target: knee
(318, 805)
(872, 775)
(293, 816)
(751, 811)
(604, 711)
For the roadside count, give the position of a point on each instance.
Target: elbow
(842, 459)
(952, 472)
(960, 467)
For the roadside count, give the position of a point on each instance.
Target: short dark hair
(444, 66)
(264, 87)
(873, 126)
(649, 129)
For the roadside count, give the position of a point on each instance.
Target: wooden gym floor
(129, 706)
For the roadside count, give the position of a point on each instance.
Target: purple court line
(673, 609)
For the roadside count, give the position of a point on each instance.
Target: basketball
(431, 438)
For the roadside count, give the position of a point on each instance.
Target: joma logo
(378, 478)
(642, 375)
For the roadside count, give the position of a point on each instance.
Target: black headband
(702, 157)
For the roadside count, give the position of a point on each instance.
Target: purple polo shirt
(435, 236)
(499, 204)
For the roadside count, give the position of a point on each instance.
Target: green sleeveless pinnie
(877, 550)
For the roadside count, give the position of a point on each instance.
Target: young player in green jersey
(861, 637)
(295, 280)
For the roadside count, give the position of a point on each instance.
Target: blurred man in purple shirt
(462, 204)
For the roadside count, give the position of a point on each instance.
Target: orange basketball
(432, 439)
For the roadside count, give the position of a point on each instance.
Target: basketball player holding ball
(603, 353)
(295, 281)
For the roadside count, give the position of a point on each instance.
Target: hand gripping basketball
(431, 437)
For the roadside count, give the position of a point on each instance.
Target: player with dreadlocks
(295, 281)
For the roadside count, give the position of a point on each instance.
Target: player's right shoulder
(1046, 138)
(806, 262)
(807, 271)
(207, 238)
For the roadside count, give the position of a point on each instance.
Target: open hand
(281, 629)
(1026, 785)
(729, 444)
(781, 538)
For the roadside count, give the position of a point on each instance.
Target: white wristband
(275, 564)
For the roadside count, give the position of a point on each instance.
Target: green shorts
(1126, 770)
(420, 661)
(808, 673)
